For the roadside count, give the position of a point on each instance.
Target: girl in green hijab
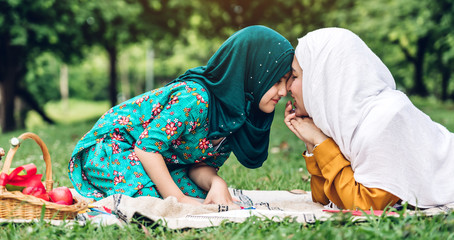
(171, 141)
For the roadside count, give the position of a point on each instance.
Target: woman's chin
(300, 114)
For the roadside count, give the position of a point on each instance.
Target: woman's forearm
(156, 169)
(340, 185)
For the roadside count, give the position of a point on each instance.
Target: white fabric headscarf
(352, 98)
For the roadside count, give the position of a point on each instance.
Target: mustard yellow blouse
(332, 179)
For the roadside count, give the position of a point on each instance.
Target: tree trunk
(12, 68)
(7, 107)
(445, 76)
(419, 88)
(28, 98)
(149, 72)
(112, 51)
(64, 83)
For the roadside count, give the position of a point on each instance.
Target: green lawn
(283, 170)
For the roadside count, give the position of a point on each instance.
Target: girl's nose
(282, 89)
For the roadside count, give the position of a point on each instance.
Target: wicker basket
(15, 204)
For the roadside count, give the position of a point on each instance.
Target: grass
(283, 170)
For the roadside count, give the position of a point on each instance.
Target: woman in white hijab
(367, 144)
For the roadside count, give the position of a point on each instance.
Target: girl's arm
(206, 177)
(154, 165)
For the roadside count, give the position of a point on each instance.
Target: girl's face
(274, 94)
(295, 87)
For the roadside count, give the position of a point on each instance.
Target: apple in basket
(61, 195)
(38, 192)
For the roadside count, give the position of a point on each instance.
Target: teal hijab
(243, 69)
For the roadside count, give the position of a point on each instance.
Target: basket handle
(46, 156)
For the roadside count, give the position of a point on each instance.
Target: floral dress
(171, 120)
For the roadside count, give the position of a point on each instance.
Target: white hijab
(352, 98)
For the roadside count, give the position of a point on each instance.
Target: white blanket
(275, 205)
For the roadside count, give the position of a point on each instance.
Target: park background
(63, 63)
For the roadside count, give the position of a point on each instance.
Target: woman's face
(274, 94)
(295, 87)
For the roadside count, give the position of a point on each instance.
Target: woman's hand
(304, 128)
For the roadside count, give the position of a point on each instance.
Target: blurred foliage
(105, 42)
(413, 38)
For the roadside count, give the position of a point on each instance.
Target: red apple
(61, 195)
(34, 191)
(44, 196)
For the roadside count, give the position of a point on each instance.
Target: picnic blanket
(275, 205)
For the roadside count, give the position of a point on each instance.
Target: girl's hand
(219, 194)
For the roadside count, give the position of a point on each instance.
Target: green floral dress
(171, 120)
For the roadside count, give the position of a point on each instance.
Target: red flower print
(143, 135)
(170, 129)
(203, 144)
(115, 148)
(119, 179)
(123, 120)
(157, 108)
(145, 124)
(176, 142)
(133, 156)
(139, 186)
(139, 101)
(118, 137)
(174, 100)
(179, 124)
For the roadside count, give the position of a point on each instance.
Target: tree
(27, 29)
(117, 23)
(292, 18)
(421, 30)
(443, 43)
